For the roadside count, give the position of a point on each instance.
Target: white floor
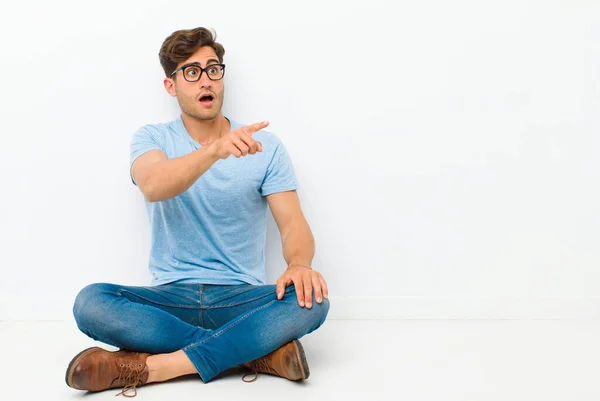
(353, 360)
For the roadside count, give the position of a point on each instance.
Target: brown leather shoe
(287, 361)
(96, 369)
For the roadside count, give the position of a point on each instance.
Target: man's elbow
(150, 198)
(151, 192)
(154, 193)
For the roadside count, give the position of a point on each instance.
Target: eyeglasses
(192, 72)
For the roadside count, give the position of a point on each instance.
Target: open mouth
(206, 100)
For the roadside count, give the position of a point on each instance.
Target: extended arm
(298, 249)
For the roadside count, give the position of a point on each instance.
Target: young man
(207, 182)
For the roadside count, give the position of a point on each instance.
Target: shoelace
(258, 366)
(130, 377)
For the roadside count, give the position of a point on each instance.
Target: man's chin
(204, 116)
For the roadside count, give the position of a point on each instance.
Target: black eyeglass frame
(183, 67)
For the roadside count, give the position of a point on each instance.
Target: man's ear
(170, 86)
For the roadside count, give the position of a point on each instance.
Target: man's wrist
(211, 152)
(295, 264)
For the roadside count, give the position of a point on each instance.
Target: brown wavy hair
(180, 45)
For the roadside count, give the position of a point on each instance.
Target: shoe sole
(71, 367)
(305, 372)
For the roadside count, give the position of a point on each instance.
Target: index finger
(251, 129)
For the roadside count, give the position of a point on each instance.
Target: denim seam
(230, 326)
(192, 306)
(161, 303)
(200, 311)
(237, 303)
(211, 319)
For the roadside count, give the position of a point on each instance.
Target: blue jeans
(217, 326)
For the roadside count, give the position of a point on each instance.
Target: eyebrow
(208, 62)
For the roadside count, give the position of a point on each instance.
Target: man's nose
(204, 81)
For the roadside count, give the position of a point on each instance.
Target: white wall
(446, 151)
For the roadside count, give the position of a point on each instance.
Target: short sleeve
(280, 175)
(144, 140)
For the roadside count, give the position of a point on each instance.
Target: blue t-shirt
(215, 232)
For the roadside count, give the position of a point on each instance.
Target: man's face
(195, 97)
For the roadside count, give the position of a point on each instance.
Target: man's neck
(205, 131)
